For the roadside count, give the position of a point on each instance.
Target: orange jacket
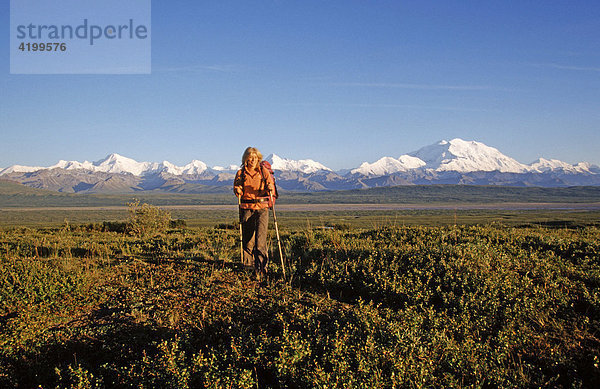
(255, 187)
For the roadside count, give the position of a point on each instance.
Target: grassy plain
(404, 306)
(316, 219)
(437, 297)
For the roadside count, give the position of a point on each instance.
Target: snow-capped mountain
(304, 165)
(462, 156)
(389, 165)
(446, 162)
(194, 167)
(466, 156)
(20, 169)
(118, 164)
(230, 168)
(544, 165)
(115, 163)
(71, 165)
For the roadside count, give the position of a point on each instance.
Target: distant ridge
(8, 187)
(446, 162)
(13, 195)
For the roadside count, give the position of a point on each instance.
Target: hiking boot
(262, 277)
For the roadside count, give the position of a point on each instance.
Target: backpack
(265, 169)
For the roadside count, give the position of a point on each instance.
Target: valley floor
(328, 215)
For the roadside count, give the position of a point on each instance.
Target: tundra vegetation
(151, 303)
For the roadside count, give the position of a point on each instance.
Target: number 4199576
(42, 46)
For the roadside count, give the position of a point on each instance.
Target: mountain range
(446, 162)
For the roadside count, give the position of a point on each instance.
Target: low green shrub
(479, 306)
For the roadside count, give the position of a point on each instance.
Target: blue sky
(340, 82)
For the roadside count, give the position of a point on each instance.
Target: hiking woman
(254, 185)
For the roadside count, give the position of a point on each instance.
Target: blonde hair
(248, 152)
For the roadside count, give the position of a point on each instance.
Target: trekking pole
(241, 238)
(277, 233)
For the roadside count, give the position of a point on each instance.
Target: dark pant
(255, 224)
